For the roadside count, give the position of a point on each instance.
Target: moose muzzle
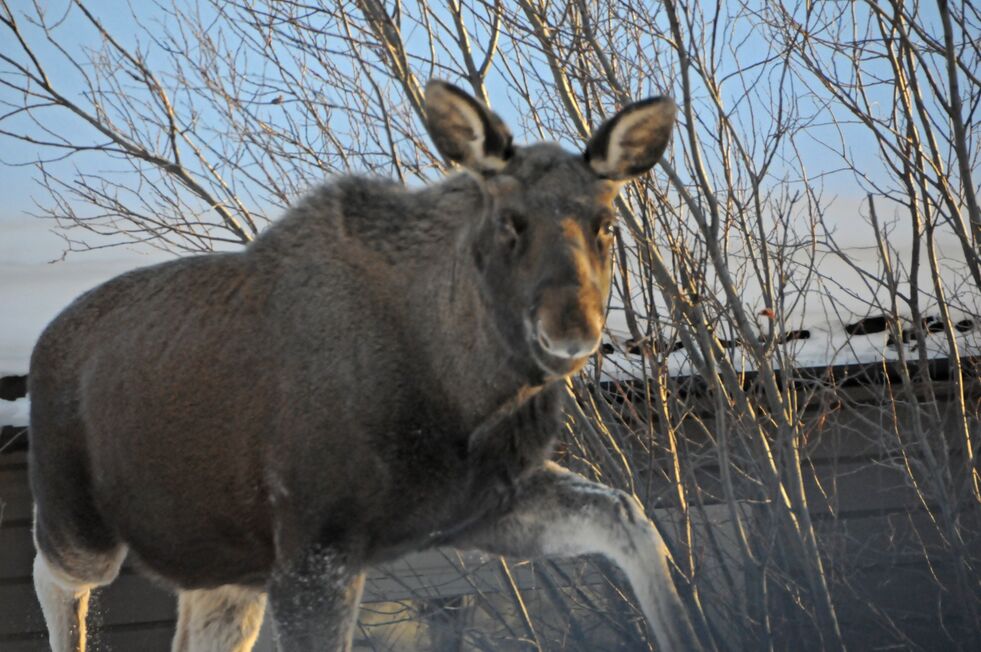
(569, 321)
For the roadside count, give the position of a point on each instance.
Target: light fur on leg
(64, 605)
(225, 619)
(64, 595)
(620, 531)
(558, 513)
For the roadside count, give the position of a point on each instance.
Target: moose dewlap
(380, 372)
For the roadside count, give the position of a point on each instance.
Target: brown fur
(362, 380)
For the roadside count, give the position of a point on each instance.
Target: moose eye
(607, 227)
(512, 224)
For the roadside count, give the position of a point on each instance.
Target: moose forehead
(557, 182)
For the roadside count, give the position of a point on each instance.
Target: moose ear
(632, 141)
(466, 131)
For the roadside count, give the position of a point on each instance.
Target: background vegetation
(824, 171)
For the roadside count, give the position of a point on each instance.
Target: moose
(381, 371)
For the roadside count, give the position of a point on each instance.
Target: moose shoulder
(380, 371)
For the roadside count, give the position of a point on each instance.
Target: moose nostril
(543, 337)
(561, 347)
(568, 348)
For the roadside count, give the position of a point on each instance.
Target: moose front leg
(514, 442)
(558, 513)
(315, 602)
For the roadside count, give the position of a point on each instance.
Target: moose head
(543, 243)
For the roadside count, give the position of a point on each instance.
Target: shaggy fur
(381, 370)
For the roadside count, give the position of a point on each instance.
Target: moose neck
(476, 368)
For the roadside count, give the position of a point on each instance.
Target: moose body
(379, 372)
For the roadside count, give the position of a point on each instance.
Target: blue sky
(17, 182)
(27, 245)
(19, 190)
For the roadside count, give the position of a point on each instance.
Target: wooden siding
(863, 508)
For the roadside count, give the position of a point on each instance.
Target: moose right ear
(632, 141)
(466, 131)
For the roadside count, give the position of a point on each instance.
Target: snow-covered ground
(33, 289)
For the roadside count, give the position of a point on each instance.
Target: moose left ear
(466, 131)
(632, 141)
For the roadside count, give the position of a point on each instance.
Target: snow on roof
(33, 290)
(836, 315)
(841, 326)
(14, 413)
(821, 344)
(32, 294)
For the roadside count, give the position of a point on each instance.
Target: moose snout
(569, 322)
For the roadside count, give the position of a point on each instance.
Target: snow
(829, 345)
(31, 295)
(33, 290)
(14, 413)
(838, 294)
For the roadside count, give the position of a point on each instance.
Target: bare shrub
(801, 494)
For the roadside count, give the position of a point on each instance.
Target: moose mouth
(549, 362)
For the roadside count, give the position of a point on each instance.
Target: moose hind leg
(64, 594)
(558, 513)
(315, 602)
(225, 619)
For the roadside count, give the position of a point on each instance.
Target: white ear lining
(603, 168)
(617, 149)
(476, 158)
(467, 118)
(491, 163)
(475, 148)
(631, 135)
